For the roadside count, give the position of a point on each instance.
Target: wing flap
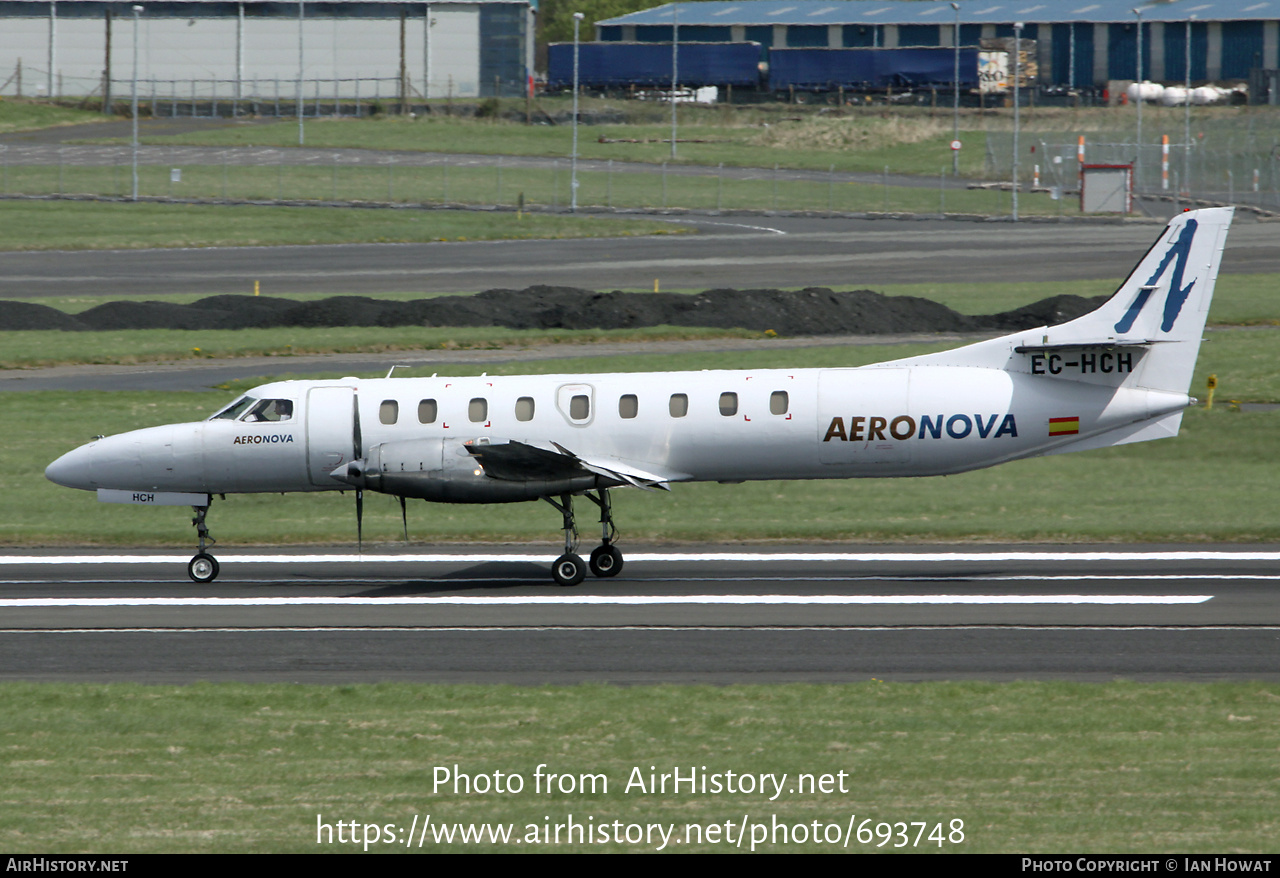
(516, 461)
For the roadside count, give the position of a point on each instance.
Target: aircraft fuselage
(687, 426)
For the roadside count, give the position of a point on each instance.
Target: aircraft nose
(75, 469)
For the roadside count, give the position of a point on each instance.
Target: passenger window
(427, 411)
(628, 406)
(679, 405)
(778, 402)
(389, 411)
(524, 408)
(271, 410)
(728, 404)
(580, 407)
(478, 410)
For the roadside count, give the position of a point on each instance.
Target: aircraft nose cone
(74, 469)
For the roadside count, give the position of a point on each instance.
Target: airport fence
(1224, 164)
(270, 97)
(299, 175)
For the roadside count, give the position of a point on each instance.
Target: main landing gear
(606, 559)
(203, 567)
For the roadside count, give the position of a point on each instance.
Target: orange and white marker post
(1164, 162)
(1080, 162)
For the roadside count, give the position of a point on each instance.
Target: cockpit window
(270, 410)
(235, 410)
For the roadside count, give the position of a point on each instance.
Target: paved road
(716, 614)
(741, 252)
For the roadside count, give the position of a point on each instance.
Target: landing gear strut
(606, 559)
(203, 567)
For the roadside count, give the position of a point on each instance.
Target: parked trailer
(648, 65)
(818, 70)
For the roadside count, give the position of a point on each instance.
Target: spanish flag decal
(1064, 426)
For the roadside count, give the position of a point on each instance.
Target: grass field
(870, 140)
(73, 225)
(1114, 768)
(19, 115)
(747, 137)
(492, 185)
(910, 140)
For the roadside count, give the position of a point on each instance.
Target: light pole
(300, 2)
(1017, 118)
(1071, 63)
(136, 11)
(53, 43)
(955, 88)
(573, 159)
(675, 70)
(1137, 161)
(1186, 115)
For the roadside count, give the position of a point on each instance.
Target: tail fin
(1145, 336)
(1161, 307)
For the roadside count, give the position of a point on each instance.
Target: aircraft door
(577, 403)
(330, 425)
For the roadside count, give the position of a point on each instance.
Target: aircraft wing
(520, 461)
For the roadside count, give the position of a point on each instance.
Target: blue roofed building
(1078, 42)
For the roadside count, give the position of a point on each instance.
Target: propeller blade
(356, 454)
(404, 517)
(356, 439)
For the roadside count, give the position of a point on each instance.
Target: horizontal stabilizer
(1090, 344)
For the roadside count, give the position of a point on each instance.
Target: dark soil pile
(812, 311)
(22, 315)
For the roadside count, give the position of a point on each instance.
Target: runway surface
(738, 252)
(760, 616)
(715, 615)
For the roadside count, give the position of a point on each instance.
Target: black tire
(606, 561)
(203, 568)
(569, 569)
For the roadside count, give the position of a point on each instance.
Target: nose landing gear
(203, 567)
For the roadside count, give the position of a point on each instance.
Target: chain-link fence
(270, 97)
(295, 175)
(1229, 166)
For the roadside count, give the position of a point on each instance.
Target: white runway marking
(678, 629)
(541, 581)
(608, 600)
(710, 557)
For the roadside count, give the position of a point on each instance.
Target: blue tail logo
(1180, 250)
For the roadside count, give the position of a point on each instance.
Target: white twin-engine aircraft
(1117, 375)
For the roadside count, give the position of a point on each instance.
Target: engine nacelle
(443, 470)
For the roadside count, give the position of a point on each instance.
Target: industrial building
(1079, 43)
(257, 50)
